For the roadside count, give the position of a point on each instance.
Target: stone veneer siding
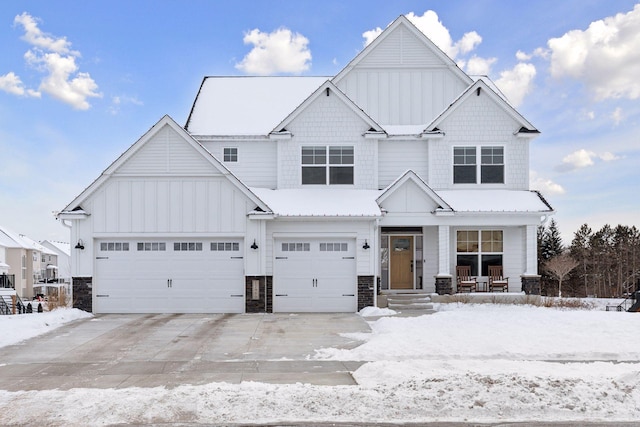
(82, 293)
(444, 285)
(531, 285)
(366, 288)
(265, 303)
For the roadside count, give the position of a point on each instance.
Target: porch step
(409, 301)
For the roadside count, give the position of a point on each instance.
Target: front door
(401, 262)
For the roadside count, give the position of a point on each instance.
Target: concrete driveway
(118, 351)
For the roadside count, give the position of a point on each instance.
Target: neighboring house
(63, 253)
(27, 260)
(293, 194)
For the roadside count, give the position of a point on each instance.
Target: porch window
(479, 249)
(336, 168)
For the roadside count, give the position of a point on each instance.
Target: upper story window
(230, 154)
(336, 168)
(465, 169)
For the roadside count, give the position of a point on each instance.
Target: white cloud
(616, 116)
(608, 157)
(54, 57)
(12, 84)
(118, 101)
(517, 82)
(605, 56)
(521, 56)
(544, 185)
(280, 51)
(479, 66)
(584, 158)
(371, 35)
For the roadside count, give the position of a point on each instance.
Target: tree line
(603, 263)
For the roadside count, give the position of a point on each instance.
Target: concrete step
(410, 306)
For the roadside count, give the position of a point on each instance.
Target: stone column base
(260, 301)
(366, 288)
(531, 285)
(82, 293)
(444, 285)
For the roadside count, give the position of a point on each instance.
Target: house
(306, 194)
(29, 263)
(62, 272)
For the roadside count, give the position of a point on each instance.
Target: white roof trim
(410, 175)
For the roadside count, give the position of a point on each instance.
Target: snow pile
(376, 312)
(19, 327)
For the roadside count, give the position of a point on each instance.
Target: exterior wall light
(366, 245)
(79, 245)
(254, 245)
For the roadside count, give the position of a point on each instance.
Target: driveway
(118, 351)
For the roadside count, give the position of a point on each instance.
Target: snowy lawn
(24, 326)
(475, 363)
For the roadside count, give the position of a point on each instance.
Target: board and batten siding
(257, 160)
(396, 157)
(169, 205)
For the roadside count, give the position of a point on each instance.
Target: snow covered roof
(62, 247)
(495, 201)
(247, 105)
(11, 239)
(321, 202)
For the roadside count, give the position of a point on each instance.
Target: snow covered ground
(474, 363)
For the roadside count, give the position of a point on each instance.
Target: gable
(481, 116)
(402, 47)
(167, 153)
(408, 197)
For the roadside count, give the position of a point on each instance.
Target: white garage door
(169, 276)
(315, 275)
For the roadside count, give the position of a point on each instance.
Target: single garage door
(315, 275)
(169, 276)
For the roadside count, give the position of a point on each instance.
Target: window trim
(328, 165)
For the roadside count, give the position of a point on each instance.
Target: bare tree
(559, 267)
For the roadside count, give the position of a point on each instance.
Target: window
(492, 168)
(334, 247)
(296, 247)
(225, 246)
(464, 165)
(334, 169)
(152, 246)
(114, 246)
(465, 169)
(479, 249)
(187, 246)
(24, 267)
(230, 154)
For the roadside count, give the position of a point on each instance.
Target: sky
(80, 82)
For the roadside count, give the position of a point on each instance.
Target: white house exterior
(294, 194)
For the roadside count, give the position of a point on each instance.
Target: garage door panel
(315, 275)
(170, 277)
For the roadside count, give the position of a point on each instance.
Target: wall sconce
(366, 245)
(80, 245)
(254, 245)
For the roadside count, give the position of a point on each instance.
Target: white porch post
(444, 252)
(531, 239)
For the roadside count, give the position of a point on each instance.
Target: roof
(321, 202)
(234, 106)
(62, 247)
(495, 201)
(11, 239)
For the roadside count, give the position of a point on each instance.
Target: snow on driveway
(474, 363)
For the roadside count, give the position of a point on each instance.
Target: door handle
(169, 283)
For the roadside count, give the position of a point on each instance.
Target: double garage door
(169, 276)
(315, 275)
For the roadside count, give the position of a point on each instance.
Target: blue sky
(81, 81)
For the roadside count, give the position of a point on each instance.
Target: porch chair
(466, 283)
(496, 279)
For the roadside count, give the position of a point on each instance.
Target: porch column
(530, 278)
(444, 282)
(531, 239)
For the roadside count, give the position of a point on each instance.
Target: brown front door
(401, 262)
